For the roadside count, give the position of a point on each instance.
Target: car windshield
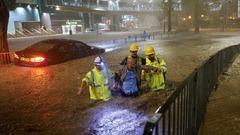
(42, 46)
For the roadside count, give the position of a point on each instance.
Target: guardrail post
(129, 38)
(191, 98)
(152, 123)
(6, 58)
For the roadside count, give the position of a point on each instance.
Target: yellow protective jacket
(99, 83)
(155, 80)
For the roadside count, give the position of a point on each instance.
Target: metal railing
(149, 7)
(183, 112)
(6, 58)
(30, 33)
(133, 38)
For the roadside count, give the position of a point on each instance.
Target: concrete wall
(22, 14)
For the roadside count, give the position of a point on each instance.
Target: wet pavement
(16, 44)
(222, 115)
(43, 100)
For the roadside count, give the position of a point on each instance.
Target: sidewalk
(222, 115)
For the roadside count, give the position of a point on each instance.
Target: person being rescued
(129, 77)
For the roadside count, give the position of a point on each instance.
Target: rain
(44, 100)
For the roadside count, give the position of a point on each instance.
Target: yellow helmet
(133, 47)
(149, 50)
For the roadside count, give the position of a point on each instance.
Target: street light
(184, 24)
(189, 21)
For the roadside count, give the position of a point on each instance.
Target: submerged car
(53, 51)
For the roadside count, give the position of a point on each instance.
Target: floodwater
(43, 100)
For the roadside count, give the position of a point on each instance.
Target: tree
(169, 12)
(166, 6)
(228, 12)
(4, 16)
(197, 7)
(196, 15)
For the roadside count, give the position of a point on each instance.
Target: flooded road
(43, 100)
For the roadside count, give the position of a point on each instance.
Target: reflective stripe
(87, 78)
(151, 75)
(107, 98)
(97, 86)
(162, 84)
(92, 74)
(154, 87)
(106, 84)
(93, 84)
(164, 66)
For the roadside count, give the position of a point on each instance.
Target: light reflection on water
(39, 97)
(115, 120)
(107, 46)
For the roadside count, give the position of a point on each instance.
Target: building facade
(77, 16)
(62, 16)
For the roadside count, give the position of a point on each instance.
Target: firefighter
(155, 79)
(133, 53)
(98, 80)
